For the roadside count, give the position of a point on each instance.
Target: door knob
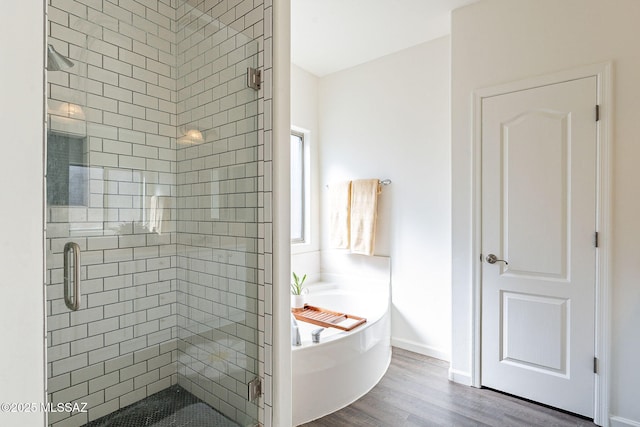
(492, 259)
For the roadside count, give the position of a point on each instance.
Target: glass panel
(297, 188)
(217, 177)
(152, 169)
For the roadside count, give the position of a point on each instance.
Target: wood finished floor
(416, 392)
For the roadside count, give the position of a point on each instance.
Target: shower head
(55, 61)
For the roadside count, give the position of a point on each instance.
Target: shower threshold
(172, 407)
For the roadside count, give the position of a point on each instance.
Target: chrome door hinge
(595, 240)
(595, 365)
(254, 78)
(254, 389)
(597, 113)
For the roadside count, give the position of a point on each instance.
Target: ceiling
(333, 35)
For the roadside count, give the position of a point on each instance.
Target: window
(298, 187)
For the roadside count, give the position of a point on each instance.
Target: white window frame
(306, 187)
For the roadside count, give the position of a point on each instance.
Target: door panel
(538, 214)
(535, 168)
(534, 332)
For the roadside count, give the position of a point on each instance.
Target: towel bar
(382, 182)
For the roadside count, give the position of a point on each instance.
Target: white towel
(156, 212)
(339, 208)
(364, 213)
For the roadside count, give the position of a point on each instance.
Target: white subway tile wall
(172, 237)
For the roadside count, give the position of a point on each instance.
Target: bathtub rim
(381, 308)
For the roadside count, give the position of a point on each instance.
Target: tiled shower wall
(140, 252)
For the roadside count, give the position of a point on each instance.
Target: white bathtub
(344, 366)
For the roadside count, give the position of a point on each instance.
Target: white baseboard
(615, 421)
(420, 348)
(460, 377)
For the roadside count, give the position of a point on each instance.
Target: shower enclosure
(154, 245)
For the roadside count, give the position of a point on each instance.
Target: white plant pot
(297, 301)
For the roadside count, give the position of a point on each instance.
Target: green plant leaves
(296, 286)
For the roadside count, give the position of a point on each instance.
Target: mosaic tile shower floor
(173, 407)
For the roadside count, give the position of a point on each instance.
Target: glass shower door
(152, 201)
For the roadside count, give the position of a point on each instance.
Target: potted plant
(298, 292)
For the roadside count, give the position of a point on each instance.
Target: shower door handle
(72, 303)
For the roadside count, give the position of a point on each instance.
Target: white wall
(389, 118)
(21, 229)
(498, 41)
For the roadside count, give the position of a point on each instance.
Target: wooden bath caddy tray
(327, 318)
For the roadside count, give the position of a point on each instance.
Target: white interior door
(539, 152)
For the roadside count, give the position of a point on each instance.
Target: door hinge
(254, 389)
(254, 78)
(597, 113)
(595, 240)
(595, 365)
